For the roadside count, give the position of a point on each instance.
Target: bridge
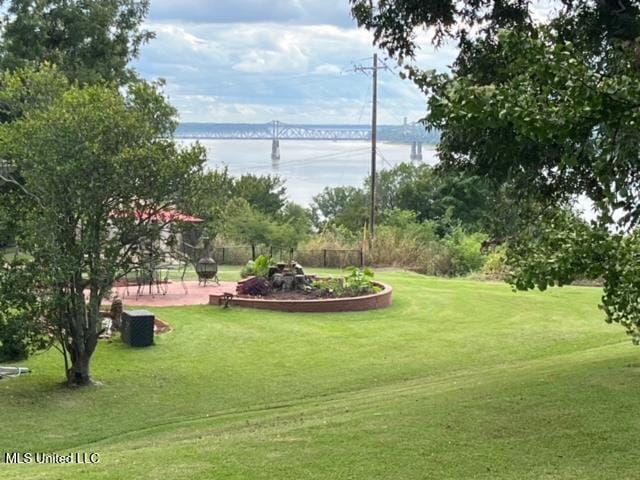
(411, 133)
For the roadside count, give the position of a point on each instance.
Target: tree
(265, 193)
(297, 216)
(22, 91)
(8, 201)
(341, 206)
(291, 227)
(89, 40)
(207, 199)
(446, 197)
(95, 166)
(244, 224)
(390, 182)
(551, 111)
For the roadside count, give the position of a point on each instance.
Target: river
(309, 166)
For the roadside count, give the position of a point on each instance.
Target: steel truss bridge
(409, 133)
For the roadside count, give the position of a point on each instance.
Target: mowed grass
(458, 380)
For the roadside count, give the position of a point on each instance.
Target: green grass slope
(458, 380)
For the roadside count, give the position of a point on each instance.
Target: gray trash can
(137, 328)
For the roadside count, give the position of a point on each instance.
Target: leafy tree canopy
(265, 193)
(341, 206)
(94, 165)
(89, 40)
(444, 197)
(549, 111)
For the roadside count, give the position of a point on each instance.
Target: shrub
(22, 328)
(329, 287)
(258, 268)
(359, 281)
(248, 270)
(495, 267)
(400, 245)
(255, 287)
(19, 336)
(424, 247)
(465, 251)
(418, 247)
(356, 282)
(333, 238)
(261, 266)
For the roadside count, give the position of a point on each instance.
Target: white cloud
(260, 71)
(327, 69)
(285, 54)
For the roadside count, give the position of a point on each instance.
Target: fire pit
(207, 269)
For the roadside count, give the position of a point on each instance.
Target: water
(309, 166)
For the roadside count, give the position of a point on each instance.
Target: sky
(260, 60)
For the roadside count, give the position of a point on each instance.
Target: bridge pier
(275, 149)
(416, 151)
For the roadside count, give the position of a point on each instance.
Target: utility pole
(374, 139)
(374, 134)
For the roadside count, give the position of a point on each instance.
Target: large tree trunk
(81, 350)
(80, 372)
(83, 340)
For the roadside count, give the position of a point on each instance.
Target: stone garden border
(374, 301)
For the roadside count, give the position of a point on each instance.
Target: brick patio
(178, 294)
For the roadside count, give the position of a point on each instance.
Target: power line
(384, 159)
(374, 131)
(302, 161)
(364, 103)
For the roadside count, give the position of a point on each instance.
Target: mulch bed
(285, 296)
(296, 295)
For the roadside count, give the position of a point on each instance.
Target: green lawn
(459, 379)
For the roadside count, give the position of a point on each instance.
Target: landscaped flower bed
(382, 299)
(286, 287)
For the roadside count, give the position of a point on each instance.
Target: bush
(261, 266)
(329, 287)
(255, 287)
(423, 247)
(356, 282)
(248, 270)
(258, 268)
(22, 329)
(465, 252)
(417, 246)
(359, 281)
(333, 238)
(17, 336)
(401, 246)
(495, 266)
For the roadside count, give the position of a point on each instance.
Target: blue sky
(262, 60)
